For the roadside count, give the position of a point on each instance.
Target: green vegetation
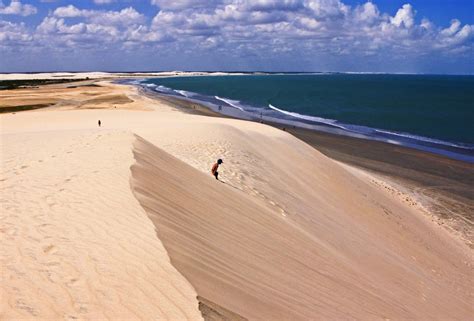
(28, 83)
(13, 109)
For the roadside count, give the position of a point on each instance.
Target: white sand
(289, 235)
(75, 241)
(99, 75)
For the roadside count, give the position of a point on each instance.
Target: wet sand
(444, 186)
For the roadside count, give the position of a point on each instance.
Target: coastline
(439, 184)
(288, 232)
(269, 105)
(443, 186)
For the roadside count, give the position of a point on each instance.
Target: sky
(410, 36)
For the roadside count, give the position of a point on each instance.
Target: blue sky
(412, 36)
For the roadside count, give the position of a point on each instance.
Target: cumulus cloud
(368, 13)
(325, 9)
(17, 8)
(71, 12)
(184, 4)
(248, 28)
(405, 17)
(326, 26)
(13, 33)
(125, 16)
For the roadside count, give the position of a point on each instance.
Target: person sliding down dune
(215, 167)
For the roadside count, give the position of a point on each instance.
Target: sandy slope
(312, 242)
(289, 234)
(75, 242)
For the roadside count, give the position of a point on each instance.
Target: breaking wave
(326, 121)
(233, 103)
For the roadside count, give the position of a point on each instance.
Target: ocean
(434, 113)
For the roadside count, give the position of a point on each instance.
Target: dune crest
(75, 243)
(288, 235)
(355, 252)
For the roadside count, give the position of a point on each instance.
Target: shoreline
(129, 210)
(441, 145)
(439, 184)
(450, 149)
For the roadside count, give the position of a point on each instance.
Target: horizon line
(238, 71)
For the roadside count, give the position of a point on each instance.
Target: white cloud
(184, 4)
(454, 35)
(452, 29)
(248, 28)
(55, 25)
(125, 16)
(17, 8)
(13, 33)
(368, 12)
(71, 11)
(325, 9)
(405, 17)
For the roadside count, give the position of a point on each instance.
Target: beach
(125, 221)
(441, 185)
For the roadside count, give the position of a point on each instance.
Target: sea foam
(326, 121)
(233, 103)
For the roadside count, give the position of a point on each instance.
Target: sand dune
(84, 95)
(105, 75)
(75, 242)
(339, 250)
(126, 222)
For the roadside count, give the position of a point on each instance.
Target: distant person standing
(99, 123)
(215, 167)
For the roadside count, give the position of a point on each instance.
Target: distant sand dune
(83, 95)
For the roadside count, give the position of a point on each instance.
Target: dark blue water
(429, 112)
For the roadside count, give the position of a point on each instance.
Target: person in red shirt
(215, 167)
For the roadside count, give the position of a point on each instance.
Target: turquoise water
(421, 110)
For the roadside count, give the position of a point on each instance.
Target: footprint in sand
(50, 249)
(44, 225)
(73, 281)
(50, 201)
(20, 304)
